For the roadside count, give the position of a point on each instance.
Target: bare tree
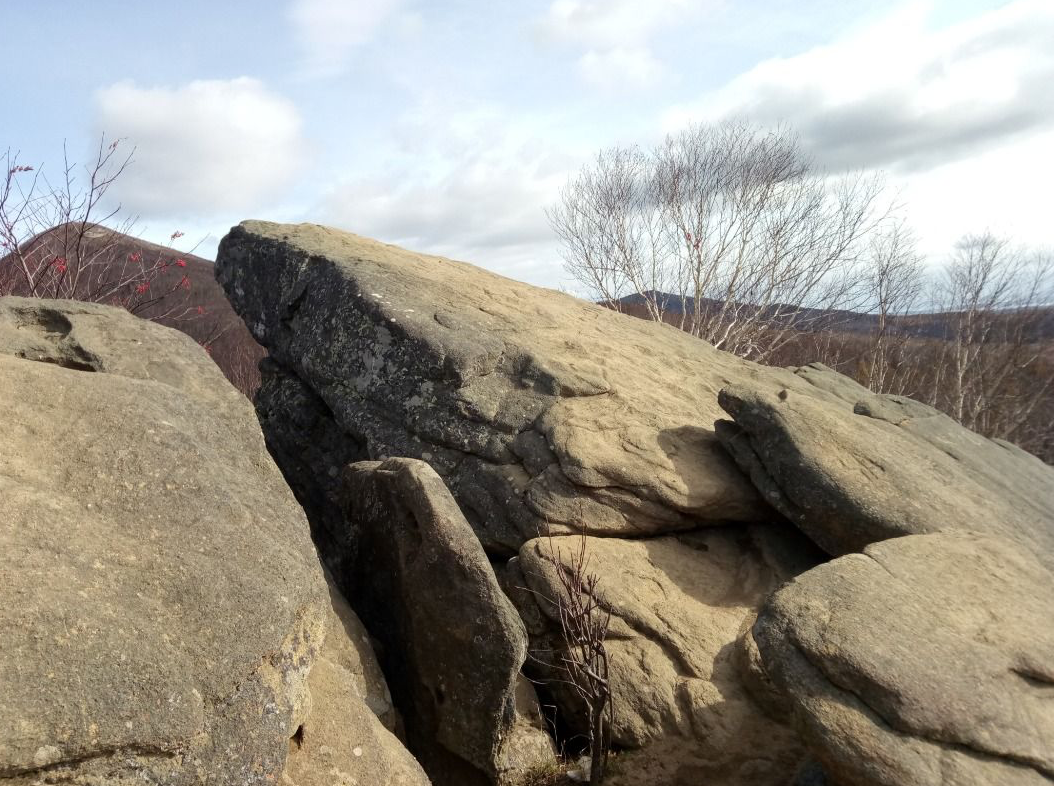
(610, 224)
(735, 223)
(991, 372)
(893, 282)
(58, 239)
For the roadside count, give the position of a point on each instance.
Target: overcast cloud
(899, 96)
(450, 127)
(205, 147)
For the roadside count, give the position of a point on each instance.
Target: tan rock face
(453, 644)
(928, 659)
(161, 601)
(851, 468)
(678, 605)
(347, 738)
(541, 412)
(532, 405)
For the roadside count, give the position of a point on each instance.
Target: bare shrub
(582, 660)
(58, 239)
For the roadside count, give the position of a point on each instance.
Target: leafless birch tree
(734, 222)
(993, 370)
(893, 281)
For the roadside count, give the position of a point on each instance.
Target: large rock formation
(678, 605)
(541, 413)
(532, 405)
(162, 605)
(851, 468)
(928, 660)
(546, 414)
(453, 644)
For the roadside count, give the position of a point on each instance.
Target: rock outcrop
(927, 659)
(532, 405)
(453, 644)
(851, 468)
(678, 605)
(348, 737)
(547, 415)
(161, 602)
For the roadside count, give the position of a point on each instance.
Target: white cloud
(330, 30)
(208, 146)
(608, 24)
(620, 67)
(1003, 189)
(615, 36)
(901, 95)
(471, 187)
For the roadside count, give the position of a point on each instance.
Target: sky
(449, 127)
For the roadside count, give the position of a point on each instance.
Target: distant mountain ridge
(202, 311)
(921, 325)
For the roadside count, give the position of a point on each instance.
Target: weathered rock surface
(532, 405)
(851, 468)
(161, 602)
(452, 643)
(348, 735)
(678, 605)
(927, 660)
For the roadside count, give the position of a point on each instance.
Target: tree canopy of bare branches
(729, 225)
(63, 238)
(994, 370)
(972, 337)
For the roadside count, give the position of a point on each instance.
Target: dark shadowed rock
(301, 432)
(532, 405)
(161, 602)
(678, 605)
(850, 467)
(452, 642)
(927, 660)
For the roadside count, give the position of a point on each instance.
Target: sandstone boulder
(532, 405)
(851, 468)
(928, 660)
(161, 602)
(452, 643)
(348, 735)
(678, 605)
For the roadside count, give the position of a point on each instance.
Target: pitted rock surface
(927, 659)
(161, 602)
(678, 605)
(532, 405)
(850, 467)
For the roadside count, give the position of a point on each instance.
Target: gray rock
(161, 602)
(851, 468)
(452, 644)
(532, 405)
(928, 659)
(678, 605)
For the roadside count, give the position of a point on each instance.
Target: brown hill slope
(152, 281)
